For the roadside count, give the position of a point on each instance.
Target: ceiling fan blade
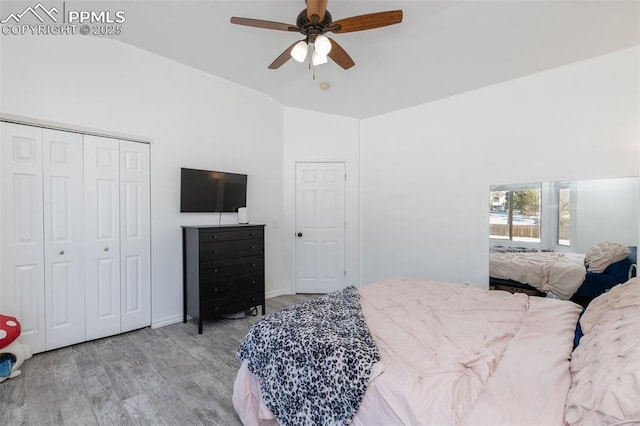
(284, 57)
(339, 55)
(316, 7)
(366, 22)
(259, 23)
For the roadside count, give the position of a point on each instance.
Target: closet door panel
(22, 277)
(102, 236)
(135, 235)
(63, 238)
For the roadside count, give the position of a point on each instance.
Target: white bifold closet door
(42, 248)
(116, 206)
(22, 266)
(135, 236)
(63, 238)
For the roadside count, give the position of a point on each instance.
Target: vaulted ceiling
(442, 48)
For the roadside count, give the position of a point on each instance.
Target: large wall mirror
(560, 221)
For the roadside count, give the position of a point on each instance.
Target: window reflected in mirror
(563, 200)
(566, 216)
(515, 212)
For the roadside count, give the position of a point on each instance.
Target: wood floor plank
(76, 408)
(109, 409)
(143, 411)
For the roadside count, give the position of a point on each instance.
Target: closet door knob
(61, 252)
(106, 249)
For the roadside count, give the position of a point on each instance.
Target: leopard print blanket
(313, 360)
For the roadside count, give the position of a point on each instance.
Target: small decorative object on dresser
(223, 270)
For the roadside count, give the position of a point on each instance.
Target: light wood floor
(164, 376)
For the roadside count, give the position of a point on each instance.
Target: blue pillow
(620, 270)
(578, 332)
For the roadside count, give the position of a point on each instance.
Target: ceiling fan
(313, 22)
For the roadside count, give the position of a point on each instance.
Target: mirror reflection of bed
(568, 239)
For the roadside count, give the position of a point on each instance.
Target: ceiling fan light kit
(299, 51)
(313, 22)
(322, 45)
(318, 59)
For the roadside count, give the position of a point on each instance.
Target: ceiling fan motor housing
(311, 28)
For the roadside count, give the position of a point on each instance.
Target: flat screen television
(211, 191)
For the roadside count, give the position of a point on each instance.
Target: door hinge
(345, 176)
(345, 273)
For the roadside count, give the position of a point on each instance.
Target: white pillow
(604, 254)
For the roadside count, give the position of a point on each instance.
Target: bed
(458, 355)
(566, 276)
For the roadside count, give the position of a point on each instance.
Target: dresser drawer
(232, 267)
(215, 308)
(249, 284)
(213, 235)
(231, 286)
(230, 249)
(217, 290)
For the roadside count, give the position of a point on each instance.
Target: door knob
(299, 234)
(61, 252)
(106, 249)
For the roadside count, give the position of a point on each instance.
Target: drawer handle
(61, 252)
(253, 299)
(215, 236)
(215, 251)
(253, 247)
(253, 281)
(215, 290)
(252, 234)
(253, 265)
(215, 308)
(215, 270)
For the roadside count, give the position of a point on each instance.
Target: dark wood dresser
(223, 270)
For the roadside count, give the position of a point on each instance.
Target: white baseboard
(167, 321)
(277, 293)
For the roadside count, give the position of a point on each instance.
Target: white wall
(426, 170)
(313, 136)
(194, 120)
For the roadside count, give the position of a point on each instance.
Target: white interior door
(320, 227)
(63, 238)
(135, 250)
(102, 236)
(22, 278)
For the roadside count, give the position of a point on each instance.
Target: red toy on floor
(12, 352)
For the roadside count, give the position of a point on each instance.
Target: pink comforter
(455, 355)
